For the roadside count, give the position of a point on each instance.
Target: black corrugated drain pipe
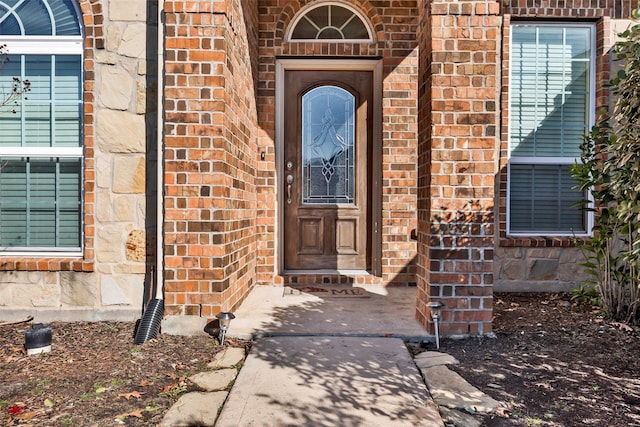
(149, 326)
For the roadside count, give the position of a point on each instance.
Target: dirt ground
(553, 363)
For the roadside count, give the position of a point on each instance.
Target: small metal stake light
(225, 319)
(436, 307)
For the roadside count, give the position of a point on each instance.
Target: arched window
(330, 22)
(41, 144)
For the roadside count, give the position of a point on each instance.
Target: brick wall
(210, 155)
(617, 9)
(394, 24)
(460, 139)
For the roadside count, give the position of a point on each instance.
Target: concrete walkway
(330, 362)
(279, 311)
(329, 381)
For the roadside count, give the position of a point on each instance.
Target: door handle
(289, 185)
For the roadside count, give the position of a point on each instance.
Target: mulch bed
(95, 375)
(554, 363)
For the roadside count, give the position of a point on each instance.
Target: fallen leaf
(16, 409)
(232, 342)
(10, 359)
(622, 326)
(48, 403)
(135, 394)
(136, 413)
(502, 411)
(166, 388)
(145, 383)
(180, 366)
(27, 415)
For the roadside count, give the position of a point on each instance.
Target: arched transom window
(38, 18)
(329, 22)
(41, 144)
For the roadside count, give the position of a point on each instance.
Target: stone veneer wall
(210, 155)
(550, 263)
(395, 25)
(108, 281)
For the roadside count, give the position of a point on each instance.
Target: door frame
(351, 64)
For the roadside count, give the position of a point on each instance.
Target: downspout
(149, 325)
(160, 158)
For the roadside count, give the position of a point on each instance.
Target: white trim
(328, 272)
(42, 253)
(62, 152)
(283, 65)
(306, 9)
(543, 160)
(44, 45)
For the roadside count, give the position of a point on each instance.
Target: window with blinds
(551, 92)
(41, 149)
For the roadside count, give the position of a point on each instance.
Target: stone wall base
(183, 325)
(84, 314)
(516, 286)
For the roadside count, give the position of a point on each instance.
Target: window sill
(11, 263)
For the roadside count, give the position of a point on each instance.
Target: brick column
(210, 155)
(458, 149)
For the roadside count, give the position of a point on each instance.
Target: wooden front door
(326, 180)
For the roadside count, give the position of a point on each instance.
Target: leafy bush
(610, 169)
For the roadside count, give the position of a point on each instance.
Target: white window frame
(49, 45)
(554, 161)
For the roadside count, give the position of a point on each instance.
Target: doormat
(327, 291)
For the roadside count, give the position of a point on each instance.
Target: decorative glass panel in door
(328, 153)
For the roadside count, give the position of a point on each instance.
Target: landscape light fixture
(225, 319)
(436, 307)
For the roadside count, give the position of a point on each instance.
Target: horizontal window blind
(40, 203)
(542, 198)
(53, 106)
